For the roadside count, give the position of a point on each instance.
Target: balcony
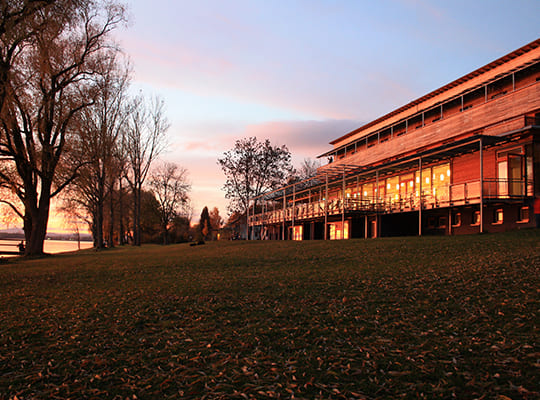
(443, 196)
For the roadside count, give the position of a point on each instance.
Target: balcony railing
(442, 196)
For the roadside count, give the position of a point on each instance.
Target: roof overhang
(338, 172)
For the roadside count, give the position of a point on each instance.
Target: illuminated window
(498, 216)
(476, 218)
(298, 232)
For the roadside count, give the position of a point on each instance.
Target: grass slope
(431, 317)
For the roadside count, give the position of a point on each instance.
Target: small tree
(216, 221)
(252, 168)
(308, 169)
(205, 226)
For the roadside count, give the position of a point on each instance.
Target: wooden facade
(464, 158)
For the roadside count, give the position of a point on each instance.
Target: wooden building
(464, 158)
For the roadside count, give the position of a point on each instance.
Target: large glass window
(338, 230)
(392, 189)
(440, 182)
(298, 232)
(510, 174)
(367, 191)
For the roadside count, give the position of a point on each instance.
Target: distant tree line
(69, 128)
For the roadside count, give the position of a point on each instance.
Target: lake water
(50, 246)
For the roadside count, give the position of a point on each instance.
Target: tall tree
(252, 168)
(20, 21)
(50, 79)
(144, 139)
(170, 186)
(98, 147)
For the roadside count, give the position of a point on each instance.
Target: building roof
(464, 79)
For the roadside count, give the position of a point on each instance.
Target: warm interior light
(411, 183)
(397, 186)
(442, 177)
(388, 186)
(427, 180)
(448, 172)
(402, 184)
(365, 193)
(417, 179)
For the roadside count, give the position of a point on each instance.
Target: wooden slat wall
(480, 119)
(467, 167)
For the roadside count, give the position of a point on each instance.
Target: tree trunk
(35, 222)
(137, 216)
(99, 224)
(121, 212)
(111, 216)
(165, 236)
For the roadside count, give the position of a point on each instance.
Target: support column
(262, 218)
(366, 220)
(247, 220)
(449, 221)
(481, 188)
(310, 209)
(283, 217)
(293, 204)
(343, 206)
(326, 210)
(420, 198)
(357, 192)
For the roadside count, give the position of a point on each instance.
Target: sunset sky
(302, 73)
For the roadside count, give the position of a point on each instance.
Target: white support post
(293, 204)
(283, 217)
(343, 207)
(420, 198)
(481, 188)
(326, 210)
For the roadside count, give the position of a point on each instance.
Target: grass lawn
(431, 317)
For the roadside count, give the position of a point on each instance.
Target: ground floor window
(298, 232)
(456, 219)
(476, 218)
(338, 230)
(498, 216)
(523, 214)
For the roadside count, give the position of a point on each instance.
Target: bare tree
(50, 79)
(99, 147)
(144, 139)
(253, 168)
(170, 186)
(308, 169)
(20, 21)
